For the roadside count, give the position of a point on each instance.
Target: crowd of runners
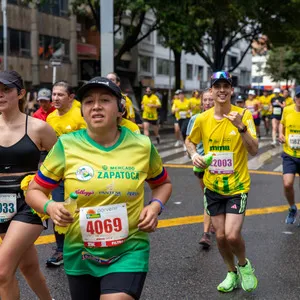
(88, 143)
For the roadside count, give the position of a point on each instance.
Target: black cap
(102, 82)
(240, 99)
(11, 79)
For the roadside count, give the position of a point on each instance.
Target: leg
(288, 184)
(156, 132)
(146, 128)
(274, 131)
(177, 131)
(17, 241)
(223, 245)
(233, 227)
(29, 266)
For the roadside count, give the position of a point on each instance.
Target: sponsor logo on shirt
(219, 148)
(132, 194)
(84, 192)
(100, 260)
(84, 173)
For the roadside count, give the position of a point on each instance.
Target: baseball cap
(251, 92)
(44, 94)
(297, 90)
(276, 90)
(102, 82)
(177, 92)
(221, 75)
(180, 92)
(11, 79)
(240, 99)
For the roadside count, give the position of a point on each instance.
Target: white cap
(251, 92)
(276, 90)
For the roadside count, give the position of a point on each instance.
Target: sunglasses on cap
(221, 75)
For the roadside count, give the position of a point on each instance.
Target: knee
(232, 238)
(28, 269)
(5, 275)
(220, 236)
(288, 185)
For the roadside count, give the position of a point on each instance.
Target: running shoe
(274, 143)
(177, 144)
(55, 260)
(291, 217)
(205, 240)
(230, 283)
(247, 277)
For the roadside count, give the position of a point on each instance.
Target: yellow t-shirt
(265, 105)
(150, 113)
(130, 114)
(228, 174)
(195, 105)
(253, 105)
(184, 111)
(289, 101)
(76, 103)
(69, 122)
(130, 125)
(291, 121)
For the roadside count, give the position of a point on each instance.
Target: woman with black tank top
(21, 140)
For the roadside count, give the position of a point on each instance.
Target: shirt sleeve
(157, 173)
(190, 125)
(52, 170)
(195, 134)
(248, 121)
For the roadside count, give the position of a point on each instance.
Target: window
(232, 61)
(245, 78)
(55, 7)
(199, 73)
(145, 64)
(163, 67)
(145, 29)
(160, 39)
(18, 43)
(51, 47)
(189, 71)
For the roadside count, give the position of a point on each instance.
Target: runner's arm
(250, 143)
(281, 133)
(197, 159)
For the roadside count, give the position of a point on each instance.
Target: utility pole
(3, 7)
(107, 36)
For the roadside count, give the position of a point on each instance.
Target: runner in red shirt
(44, 100)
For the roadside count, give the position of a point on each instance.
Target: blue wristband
(160, 203)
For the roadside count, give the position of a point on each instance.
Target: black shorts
(257, 121)
(199, 174)
(290, 164)
(265, 117)
(217, 204)
(277, 117)
(24, 213)
(152, 122)
(90, 287)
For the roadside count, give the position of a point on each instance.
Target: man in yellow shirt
(129, 109)
(288, 100)
(150, 104)
(228, 132)
(64, 119)
(289, 136)
(195, 102)
(265, 101)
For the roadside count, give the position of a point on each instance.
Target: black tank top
(23, 156)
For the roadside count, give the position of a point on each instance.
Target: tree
(283, 64)
(128, 14)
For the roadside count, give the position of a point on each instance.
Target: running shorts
(90, 287)
(217, 204)
(152, 122)
(290, 164)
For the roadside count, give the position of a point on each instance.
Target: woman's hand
(148, 218)
(59, 214)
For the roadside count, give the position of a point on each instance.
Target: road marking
(257, 162)
(250, 171)
(47, 239)
(278, 169)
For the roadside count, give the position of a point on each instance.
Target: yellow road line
(250, 171)
(46, 239)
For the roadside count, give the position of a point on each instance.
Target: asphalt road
(181, 269)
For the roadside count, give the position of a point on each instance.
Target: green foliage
(283, 64)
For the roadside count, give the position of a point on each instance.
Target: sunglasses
(221, 75)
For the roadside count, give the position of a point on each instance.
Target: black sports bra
(23, 156)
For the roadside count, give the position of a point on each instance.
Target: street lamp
(3, 7)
